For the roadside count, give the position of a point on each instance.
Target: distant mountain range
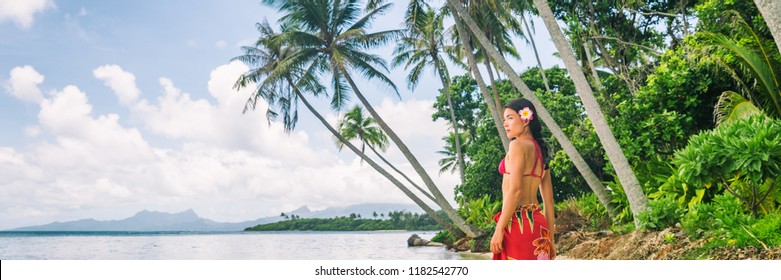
(190, 221)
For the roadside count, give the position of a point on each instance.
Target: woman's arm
(511, 192)
(546, 189)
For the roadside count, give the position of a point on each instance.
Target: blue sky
(108, 108)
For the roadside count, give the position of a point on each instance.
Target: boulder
(415, 240)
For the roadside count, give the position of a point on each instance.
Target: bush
(661, 213)
(444, 237)
(583, 213)
(768, 229)
(480, 212)
(590, 207)
(743, 156)
(698, 220)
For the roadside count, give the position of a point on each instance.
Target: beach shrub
(590, 207)
(698, 220)
(623, 228)
(768, 229)
(480, 212)
(729, 218)
(444, 237)
(582, 213)
(743, 158)
(620, 201)
(661, 213)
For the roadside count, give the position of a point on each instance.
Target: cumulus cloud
(22, 12)
(226, 165)
(23, 84)
(123, 83)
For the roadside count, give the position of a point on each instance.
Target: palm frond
(757, 66)
(732, 106)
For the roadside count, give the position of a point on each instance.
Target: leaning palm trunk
(459, 153)
(467, 228)
(462, 34)
(536, 53)
(587, 48)
(433, 214)
(637, 199)
(421, 190)
(497, 101)
(771, 11)
(591, 179)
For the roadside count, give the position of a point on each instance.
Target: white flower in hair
(526, 114)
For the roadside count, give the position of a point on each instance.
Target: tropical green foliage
(589, 208)
(742, 158)
(449, 162)
(662, 213)
(396, 221)
(753, 65)
(444, 237)
(725, 221)
(660, 71)
(357, 126)
(480, 212)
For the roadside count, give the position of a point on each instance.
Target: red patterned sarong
(526, 237)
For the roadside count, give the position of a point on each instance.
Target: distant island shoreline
(399, 221)
(189, 221)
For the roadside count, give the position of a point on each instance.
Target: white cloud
(32, 131)
(226, 165)
(22, 12)
(85, 140)
(221, 44)
(123, 83)
(23, 84)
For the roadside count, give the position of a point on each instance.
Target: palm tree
(591, 179)
(450, 160)
(333, 39)
(760, 84)
(464, 48)
(355, 125)
(494, 20)
(771, 11)
(637, 198)
(275, 78)
(521, 8)
(421, 47)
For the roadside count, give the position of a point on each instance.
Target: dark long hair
(534, 125)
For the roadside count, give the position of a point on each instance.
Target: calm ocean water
(218, 246)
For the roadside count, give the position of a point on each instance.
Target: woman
(522, 231)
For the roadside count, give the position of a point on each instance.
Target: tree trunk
(618, 68)
(468, 229)
(536, 53)
(421, 190)
(454, 122)
(594, 73)
(433, 214)
(463, 36)
(495, 91)
(771, 11)
(637, 199)
(591, 179)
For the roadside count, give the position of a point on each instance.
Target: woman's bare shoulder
(521, 146)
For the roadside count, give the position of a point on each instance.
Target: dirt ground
(669, 244)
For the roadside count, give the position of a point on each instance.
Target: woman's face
(513, 125)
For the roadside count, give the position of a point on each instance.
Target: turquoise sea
(359, 245)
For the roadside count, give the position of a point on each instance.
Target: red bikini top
(536, 160)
